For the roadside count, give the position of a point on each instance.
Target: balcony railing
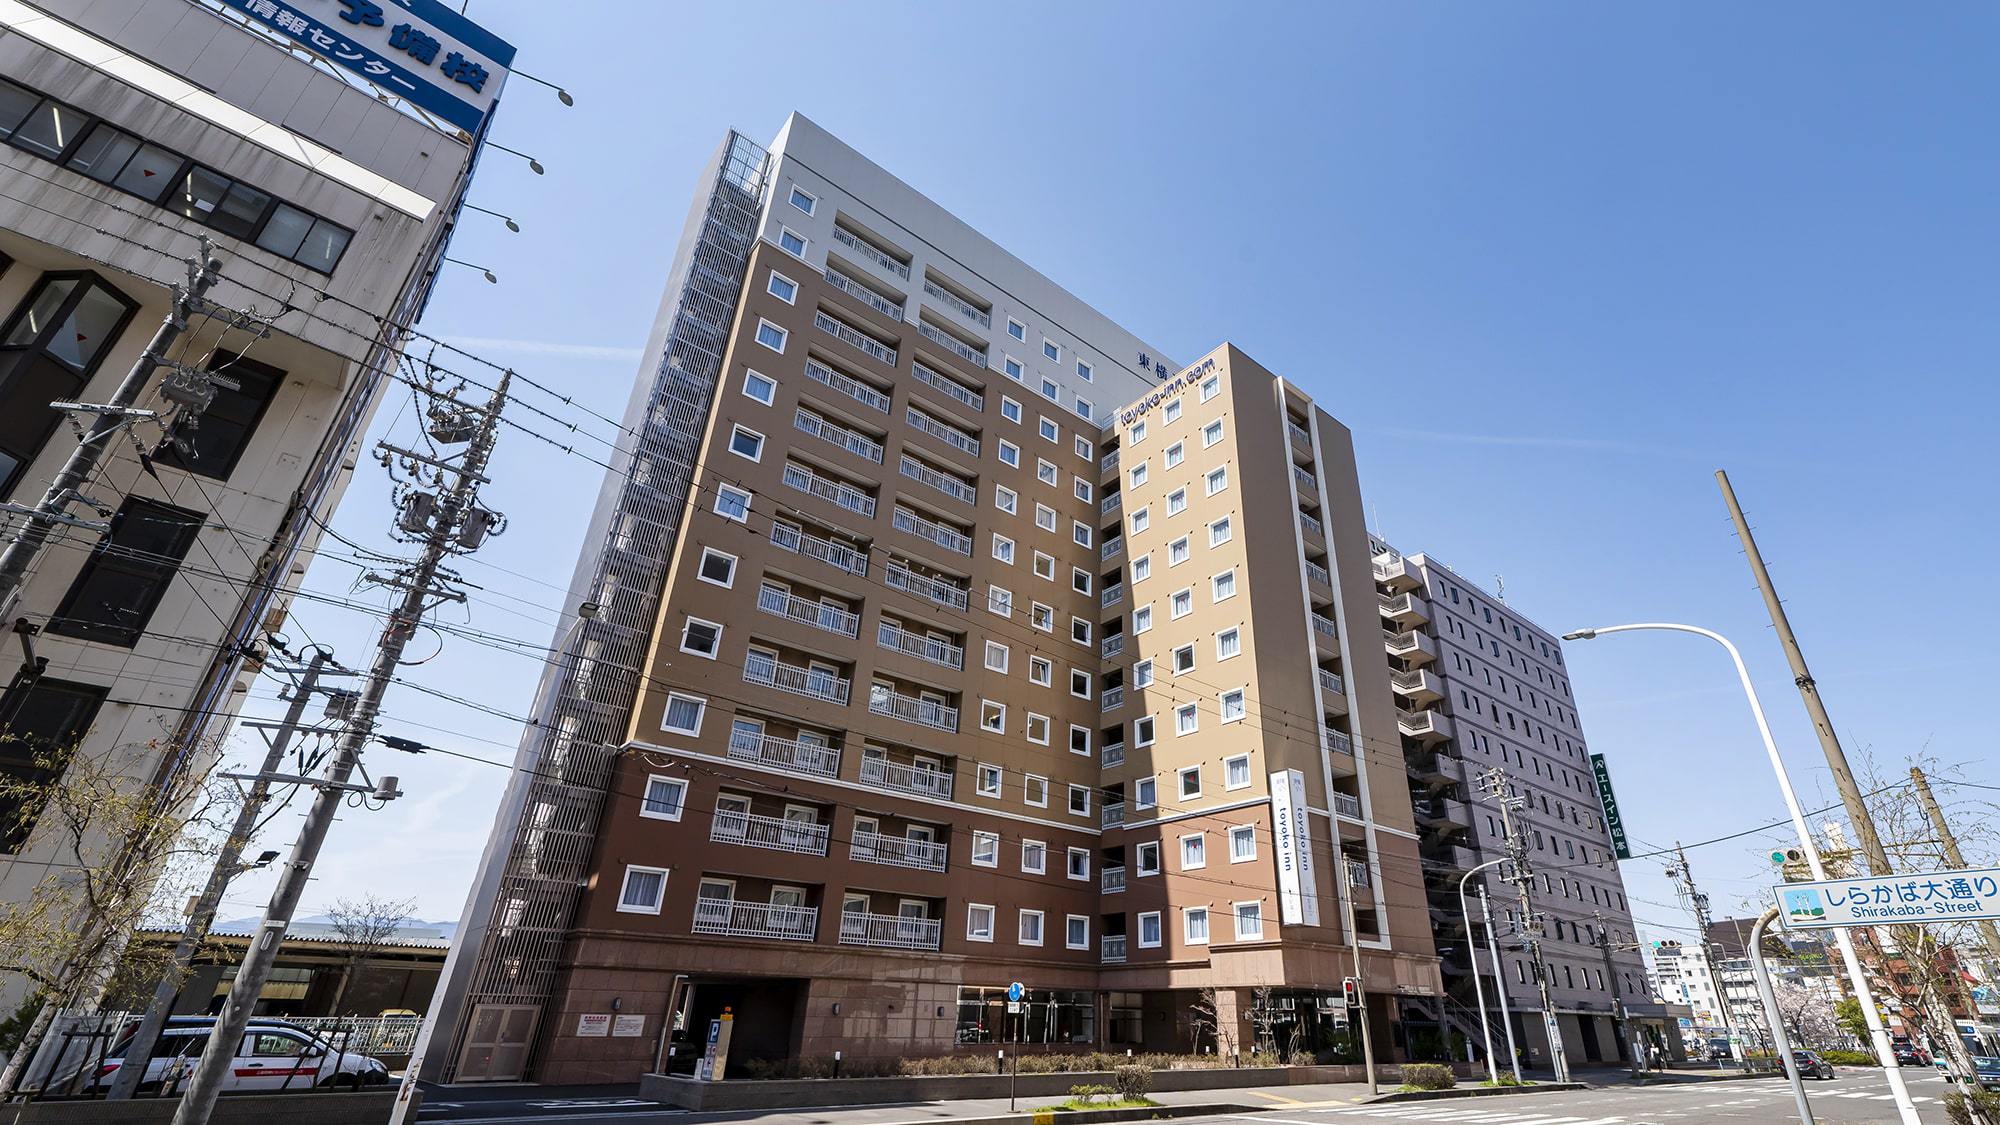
(1112, 947)
(1335, 742)
(854, 337)
(755, 919)
(775, 833)
(840, 556)
(1307, 485)
(957, 304)
(900, 778)
(1108, 463)
(1110, 595)
(858, 444)
(871, 252)
(1400, 605)
(918, 645)
(1111, 547)
(1113, 815)
(949, 387)
(785, 753)
(853, 388)
(952, 344)
(936, 590)
(831, 619)
(1113, 698)
(1110, 503)
(1111, 880)
(1399, 643)
(1311, 525)
(845, 495)
(911, 709)
(897, 851)
(1113, 755)
(880, 303)
(1324, 624)
(951, 539)
(950, 435)
(1416, 681)
(1346, 804)
(811, 682)
(944, 482)
(1318, 573)
(889, 931)
(1332, 683)
(1112, 645)
(1299, 433)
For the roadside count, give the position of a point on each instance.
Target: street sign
(1938, 896)
(1613, 823)
(1015, 991)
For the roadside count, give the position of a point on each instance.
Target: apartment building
(942, 635)
(130, 132)
(1480, 687)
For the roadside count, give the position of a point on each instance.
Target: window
(701, 638)
(1045, 471)
(1017, 330)
(1228, 643)
(1173, 412)
(1083, 371)
(978, 922)
(1138, 433)
(985, 849)
(1148, 857)
(771, 336)
(1242, 843)
(49, 351)
(999, 601)
(1052, 350)
(1034, 857)
(1014, 370)
(1049, 430)
(1079, 532)
(1140, 520)
(1009, 409)
(732, 503)
(1186, 719)
(1142, 731)
(1236, 772)
(1079, 740)
(1079, 580)
(791, 243)
(1194, 925)
(1031, 927)
(1211, 433)
(1038, 729)
(987, 780)
(1042, 617)
(1010, 454)
(1176, 453)
(1079, 800)
(1045, 517)
(1180, 604)
(1137, 474)
(1142, 568)
(1149, 929)
(1003, 548)
(1142, 674)
(1076, 931)
(643, 890)
(1249, 921)
(1079, 862)
(214, 444)
(1006, 499)
(1079, 630)
(665, 798)
(1219, 532)
(783, 288)
(1081, 488)
(992, 716)
(1194, 851)
(1041, 671)
(746, 443)
(1050, 391)
(1145, 793)
(1035, 790)
(1217, 480)
(50, 717)
(683, 714)
(803, 199)
(1083, 408)
(1177, 551)
(996, 657)
(759, 387)
(1190, 780)
(717, 568)
(1142, 619)
(1177, 501)
(127, 574)
(1183, 659)
(1210, 387)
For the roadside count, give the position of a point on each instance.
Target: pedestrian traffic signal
(1350, 991)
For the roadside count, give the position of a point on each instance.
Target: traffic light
(1350, 991)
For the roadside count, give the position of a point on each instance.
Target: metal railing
(755, 919)
(1111, 547)
(949, 387)
(1110, 503)
(827, 618)
(785, 753)
(889, 931)
(854, 337)
(897, 851)
(1411, 681)
(932, 589)
(845, 495)
(1318, 573)
(840, 556)
(1109, 596)
(1111, 880)
(1401, 604)
(872, 252)
(1112, 699)
(1112, 947)
(1390, 569)
(944, 482)
(951, 343)
(1409, 640)
(1107, 463)
(1347, 804)
(1111, 646)
(1311, 525)
(896, 637)
(877, 301)
(895, 776)
(1335, 742)
(1307, 485)
(1113, 755)
(776, 833)
(858, 444)
(1332, 682)
(1113, 815)
(950, 435)
(761, 669)
(949, 538)
(957, 304)
(1420, 722)
(853, 388)
(1299, 433)
(1324, 624)
(911, 709)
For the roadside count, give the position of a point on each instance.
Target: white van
(273, 1056)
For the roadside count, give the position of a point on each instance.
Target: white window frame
(1041, 618)
(1236, 915)
(1046, 472)
(1081, 533)
(1047, 668)
(1142, 674)
(1074, 791)
(1041, 927)
(1142, 620)
(739, 430)
(1074, 730)
(625, 883)
(1139, 852)
(981, 771)
(1001, 717)
(708, 553)
(1211, 433)
(971, 932)
(784, 335)
(1145, 793)
(1182, 776)
(999, 596)
(1142, 567)
(1176, 502)
(1243, 832)
(1188, 915)
(812, 201)
(1201, 860)
(1017, 330)
(1051, 350)
(730, 491)
(989, 842)
(1081, 580)
(1209, 479)
(1028, 729)
(1242, 705)
(999, 663)
(692, 621)
(1084, 447)
(1137, 434)
(771, 287)
(1071, 866)
(1041, 851)
(1142, 731)
(701, 711)
(1215, 582)
(1069, 924)
(1047, 428)
(1077, 675)
(1139, 519)
(1159, 932)
(804, 242)
(1184, 546)
(1084, 408)
(1029, 784)
(1228, 532)
(752, 373)
(1232, 631)
(1176, 453)
(1045, 517)
(1228, 763)
(1136, 475)
(1006, 499)
(1172, 413)
(1003, 549)
(1082, 489)
(1180, 603)
(646, 794)
(1210, 387)
(1009, 454)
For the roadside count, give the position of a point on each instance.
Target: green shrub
(1848, 1058)
(1090, 1093)
(1134, 1082)
(1505, 1079)
(1428, 1076)
(1959, 1113)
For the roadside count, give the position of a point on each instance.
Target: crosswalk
(1434, 1111)
(1675, 1105)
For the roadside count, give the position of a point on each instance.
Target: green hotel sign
(1612, 821)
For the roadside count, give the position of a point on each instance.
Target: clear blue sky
(1554, 264)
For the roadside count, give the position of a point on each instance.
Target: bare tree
(1264, 1018)
(1205, 1015)
(364, 927)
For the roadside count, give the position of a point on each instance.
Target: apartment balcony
(887, 306)
(853, 388)
(1110, 596)
(775, 833)
(873, 254)
(1300, 436)
(855, 338)
(898, 778)
(1111, 547)
(810, 682)
(1436, 769)
(1111, 948)
(1442, 811)
(1112, 756)
(1396, 573)
(825, 618)
(889, 931)
(1319, 574)
(1347, 804)
(930, 589)
(952, 344)
(1420, 687)
(957, 304)
(942, 653)
(896, 851)
(1454, 858)
(833, 433)
(950, 538)
(1357, 874)
(1308, 486)
(755, 919)
(944, 482)
(826, 488)
(1111, 699)
(1111, 646)
(910, 709)
(1428, 726)
(786, 754)
(945, 432)
(1110, 503)
(1335, 742)
(948, 387)
(1323, 626)
(1310, 525)
(1413, 646)
(1111, 880)
(840, 556)
(1406, 610)
(1112, 815)
(1107, 464)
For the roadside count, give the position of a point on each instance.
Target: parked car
(1909, 1054)
(1988, 1069)
(1811, 1065)
(273, 1055)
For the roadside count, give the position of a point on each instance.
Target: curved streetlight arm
(1479, 988)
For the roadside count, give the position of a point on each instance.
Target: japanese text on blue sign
(1939, 896)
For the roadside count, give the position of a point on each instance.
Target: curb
(1469, 1092)
(1101, 1116)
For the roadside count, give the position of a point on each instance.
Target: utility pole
(1683, 877)
(228, 865)
(1623, 1025)
(1523, 877)
(203, 271)
(1987, 930)
(452, 523)
(1499, 979)
(1360, 983)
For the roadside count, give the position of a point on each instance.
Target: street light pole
(1499, 981)
(1479, 989)
(1780, 1042)
(1878, 1035)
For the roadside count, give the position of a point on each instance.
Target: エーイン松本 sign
(1613, 823)
(1937, 896)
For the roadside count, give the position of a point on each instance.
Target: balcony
(931, 589)
(1311, 526)
(1112, 948)
(944, 482)
(1107, 464)
(881, 304)
(1111, 547)
(952, 344)
(957, 304)
(1112, 756)
(950, 538)
(1110, 596)
(1335, 742)
(1442, 810)
(896, 851)
(911, 709)
(755, 919)
(1318, 573)
(889, 931)
(1299, 434)
(1308, 486)
(1426, 725)
(826, 488)
(1110, 503)
(1406, 610)
(1111, 646)
(1113, 815)
(810, 682)
(1323, 625)
(1347, 805)
(855, 338)
(853, 388)
(861, 445)
(1111, 880)
(1112, 699)
(840, 556)
(1331, 683)
(776, 833)
(941, 653)
(1412, 646)
(1396, 573)
(785, 754)
(1435, 769)
(826, 618)
(915, 781)
(874, 254)
(948, 387)
(1455, 858)
(1420, 687)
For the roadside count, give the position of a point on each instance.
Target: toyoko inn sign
(1175, 386)
(1298, 890)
